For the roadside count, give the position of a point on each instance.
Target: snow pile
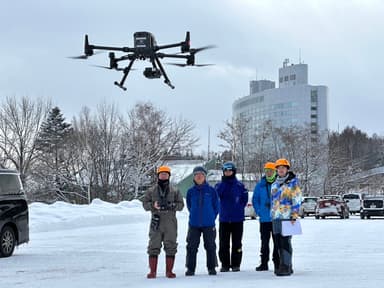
(62, 215)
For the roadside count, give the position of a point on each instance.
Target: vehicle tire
(368, 217)
(317, 216)
(7, 241)
(362, 216)
(322, 217)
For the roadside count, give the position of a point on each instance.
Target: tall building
(293, 103)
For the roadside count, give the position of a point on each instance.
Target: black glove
(155, 222)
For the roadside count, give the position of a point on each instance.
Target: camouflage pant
(163, 233)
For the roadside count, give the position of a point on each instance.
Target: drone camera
(152, 73)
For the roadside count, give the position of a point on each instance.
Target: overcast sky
(341, 41)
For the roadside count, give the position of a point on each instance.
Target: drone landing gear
(125, 71)
(166, 79)
(120, 85)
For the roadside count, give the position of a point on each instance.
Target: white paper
(289, 229)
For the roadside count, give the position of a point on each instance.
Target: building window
(285, 78)
(314, 96)
(292, 77)
(281, 79)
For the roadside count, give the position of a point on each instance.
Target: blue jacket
(203, 205)
(261, 200)
(233, 198)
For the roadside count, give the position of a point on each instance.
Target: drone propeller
(185, 65)
(85, 56)
(109, 68)
(196, 50)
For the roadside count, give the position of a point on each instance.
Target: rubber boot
(169, 262)
(152, 266)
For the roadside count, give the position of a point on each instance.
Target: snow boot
(224, 269)
(169, 262)
(189, 273)
(276, 266)
(152, 266)
(284, 270)
(212, 272)
(262, 267)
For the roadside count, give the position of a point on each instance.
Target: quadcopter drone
(145, 48)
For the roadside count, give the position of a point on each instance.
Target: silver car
(308, 206)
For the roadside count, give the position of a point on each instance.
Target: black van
(14, 222)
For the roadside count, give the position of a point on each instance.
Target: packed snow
(104, 245)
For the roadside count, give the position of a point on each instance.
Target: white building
(293, 103)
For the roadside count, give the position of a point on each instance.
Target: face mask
(271, 178)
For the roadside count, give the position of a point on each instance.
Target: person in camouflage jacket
(163, 201)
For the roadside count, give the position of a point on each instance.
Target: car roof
(8, 171)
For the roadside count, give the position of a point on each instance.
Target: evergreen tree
(51, 145)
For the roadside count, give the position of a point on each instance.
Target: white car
(249, 211)
(354, 202)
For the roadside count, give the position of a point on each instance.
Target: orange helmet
(282, 162)
(270, 165)
(164, 169)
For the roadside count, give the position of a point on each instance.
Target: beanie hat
(199, 169)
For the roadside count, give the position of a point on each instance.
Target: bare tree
(152, 135)
(20, 122)
(234, 136)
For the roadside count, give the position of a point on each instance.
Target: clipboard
(289, 229)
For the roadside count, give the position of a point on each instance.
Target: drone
(146, 48)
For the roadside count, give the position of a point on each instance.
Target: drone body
(145, 48)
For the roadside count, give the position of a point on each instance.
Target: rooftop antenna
(299, 55)
(209, 142)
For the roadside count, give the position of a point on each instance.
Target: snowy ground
(104, 245)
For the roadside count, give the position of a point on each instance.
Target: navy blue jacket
(233, 198)
(203, 205)
(261, 200)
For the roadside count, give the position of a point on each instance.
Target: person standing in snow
(233, 199)
(261, 202)
(163, 201)
(203, 207)
(286, 201)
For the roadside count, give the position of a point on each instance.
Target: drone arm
(163, 55)
(123, 49)
(169, 46)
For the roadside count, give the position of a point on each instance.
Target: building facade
(293, 103)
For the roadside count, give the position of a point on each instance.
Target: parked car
(331, 205)
(249, 211)
(14, 223)
(308, 206)
(372, 206)
(354, 202)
